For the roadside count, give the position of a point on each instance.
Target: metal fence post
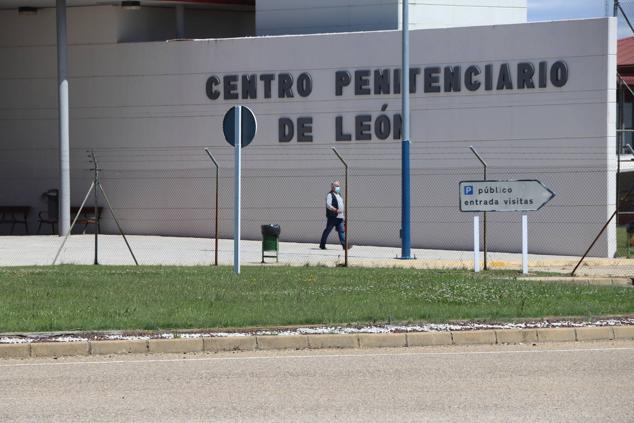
(216, 216)
(96, 193)
(345, 205)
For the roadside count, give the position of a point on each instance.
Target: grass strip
(65, 298)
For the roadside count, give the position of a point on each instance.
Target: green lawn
(103, 297)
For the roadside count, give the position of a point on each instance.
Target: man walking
(335, 216)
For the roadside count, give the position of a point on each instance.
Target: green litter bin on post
(271, 241)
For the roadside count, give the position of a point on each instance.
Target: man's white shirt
(340, 214)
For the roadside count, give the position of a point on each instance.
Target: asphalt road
(590, 382)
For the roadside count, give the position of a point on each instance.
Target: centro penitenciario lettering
(429, 80)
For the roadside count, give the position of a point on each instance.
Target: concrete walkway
(157, 250)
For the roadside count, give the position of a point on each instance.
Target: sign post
(406, 230)
(239, 127)
(237, 190)
(525, 243)
(503, 196)
(476, 243)
(484, 217)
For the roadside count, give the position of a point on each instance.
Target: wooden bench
(15, 215)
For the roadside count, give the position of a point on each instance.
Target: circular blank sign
(249, 126)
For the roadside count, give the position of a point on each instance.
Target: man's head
(335, 186)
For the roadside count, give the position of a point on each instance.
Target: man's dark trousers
(333, 222)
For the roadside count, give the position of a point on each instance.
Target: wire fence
(165, 202)
(627, 9)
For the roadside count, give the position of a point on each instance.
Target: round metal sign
(249, 126)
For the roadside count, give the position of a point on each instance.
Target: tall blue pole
(237, 194)
(406, 229)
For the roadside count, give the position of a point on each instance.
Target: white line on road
(282, 357)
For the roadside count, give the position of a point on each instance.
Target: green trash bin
(270, 241)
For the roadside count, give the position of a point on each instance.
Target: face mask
(337, 190)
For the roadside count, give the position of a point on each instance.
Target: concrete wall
(144, 108)
(86, 25)
(201, 23)
(112, 24)
(455, 13)
(145, 24)
(159, 23)
(279, 17)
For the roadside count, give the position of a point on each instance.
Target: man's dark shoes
(322, 247)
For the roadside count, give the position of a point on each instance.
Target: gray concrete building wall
(145, 109)
(159, 23)
(282, 17)
(201, 23)
(455, 13)
(86, 25)
(114, 24)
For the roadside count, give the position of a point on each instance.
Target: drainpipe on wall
(180, 21)
(64, 149)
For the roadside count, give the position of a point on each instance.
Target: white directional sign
(503, 196)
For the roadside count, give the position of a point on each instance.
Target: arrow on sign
(503, 196)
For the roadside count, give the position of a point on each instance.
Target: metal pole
(64, 154)
(484, 223)
(114, 216)
(238, 189)
(593, 242)
(476, 243)
(616, 8)
(625, 197)
(92, 185)
(525, 243)
(619, 142)
(406, 230)
(627, 20)
(484, 231)
(345, 206)
(96, 176)
(216, 217)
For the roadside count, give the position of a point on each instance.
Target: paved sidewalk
(157, 250)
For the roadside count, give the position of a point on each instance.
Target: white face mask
(337, 190)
